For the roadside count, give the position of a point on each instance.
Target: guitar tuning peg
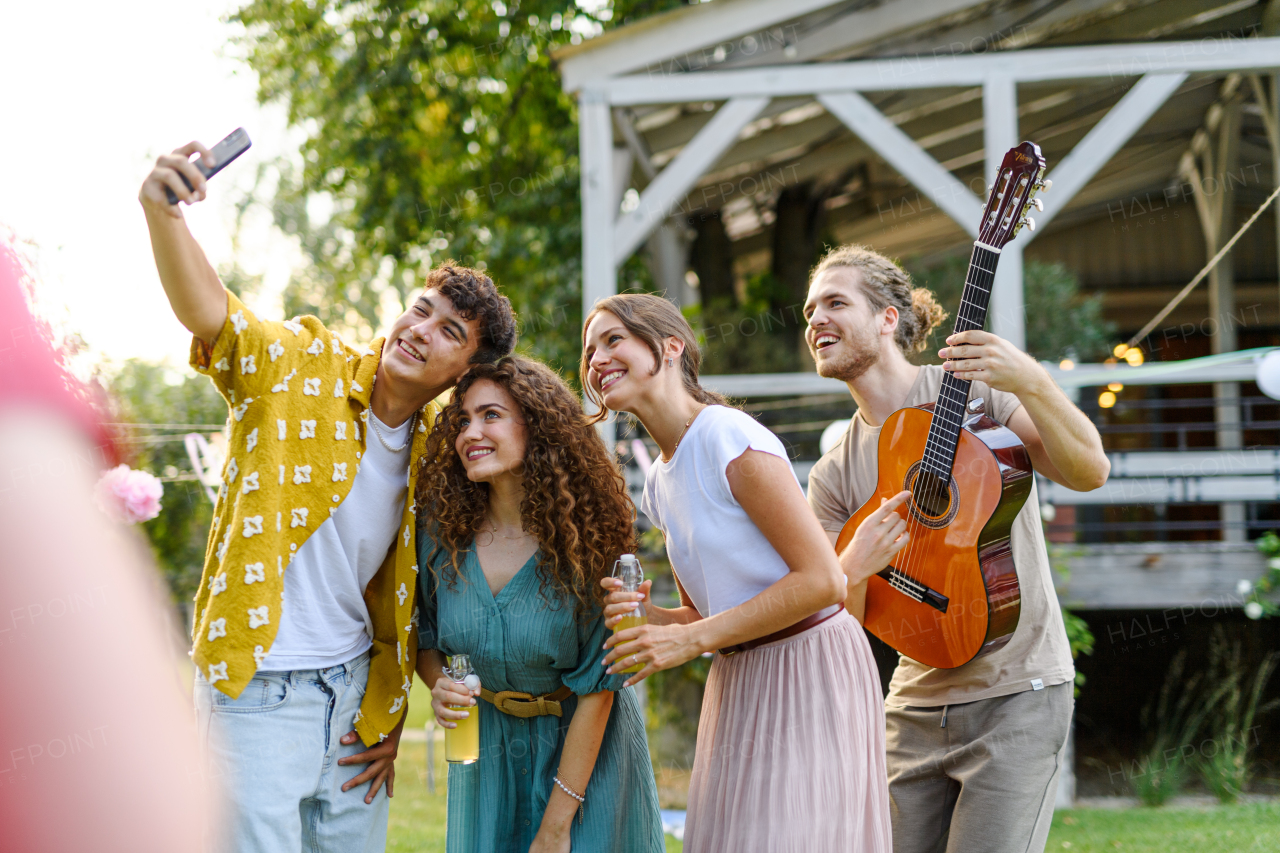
(1039, 205)
(1031, 223)
(1046, 185)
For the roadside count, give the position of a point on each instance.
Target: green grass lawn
(417, 821)
(1254, 826)
(417, 817)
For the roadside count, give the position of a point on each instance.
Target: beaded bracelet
(579, 797)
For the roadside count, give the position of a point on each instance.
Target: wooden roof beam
(647, 44)
(1063, 63)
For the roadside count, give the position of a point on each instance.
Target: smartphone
(236, 143)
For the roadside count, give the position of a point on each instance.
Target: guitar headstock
(1020, 177)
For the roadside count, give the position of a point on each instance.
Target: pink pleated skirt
(791, 752)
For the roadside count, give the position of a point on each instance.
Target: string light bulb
(1106, 400)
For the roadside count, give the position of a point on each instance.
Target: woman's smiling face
(620, 364)
(493, 436)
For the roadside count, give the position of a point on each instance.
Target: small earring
(671, 362)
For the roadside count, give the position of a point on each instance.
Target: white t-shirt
(323, 619)
(720, 556)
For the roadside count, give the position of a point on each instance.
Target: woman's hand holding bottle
(448, 693)
(620, 603)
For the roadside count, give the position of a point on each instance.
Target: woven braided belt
(526, 704)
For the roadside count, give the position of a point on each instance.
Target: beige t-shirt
(846, 477)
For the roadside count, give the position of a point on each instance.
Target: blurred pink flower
(128, 495)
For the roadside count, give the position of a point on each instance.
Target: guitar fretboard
(949, 411)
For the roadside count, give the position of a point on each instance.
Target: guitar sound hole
(931, 494)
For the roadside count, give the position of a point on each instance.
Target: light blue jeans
(274, 752)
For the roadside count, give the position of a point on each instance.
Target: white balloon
(831, 435)
(1269, 375)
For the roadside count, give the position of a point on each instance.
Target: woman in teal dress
(524, 513)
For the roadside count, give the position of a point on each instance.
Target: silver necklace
(494, 526)
(373, 421)
(687, 424)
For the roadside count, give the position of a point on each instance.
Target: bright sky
(93, 92)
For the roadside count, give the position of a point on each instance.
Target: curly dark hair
(473, 295)
(575, 497)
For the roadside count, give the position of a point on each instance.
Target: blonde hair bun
(929, 316)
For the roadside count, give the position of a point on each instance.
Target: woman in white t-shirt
(791, 750)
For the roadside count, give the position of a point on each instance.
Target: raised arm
(194, 290)
(1064, 445)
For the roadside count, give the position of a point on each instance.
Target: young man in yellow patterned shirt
(305, 631)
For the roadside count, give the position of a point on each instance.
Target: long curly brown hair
(575, 497)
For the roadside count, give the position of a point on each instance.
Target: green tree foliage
(437, 129)
(757, 336)
(1060, 321)
(147, 393)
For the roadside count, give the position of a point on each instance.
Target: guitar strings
(972, 313)
(921, 546)
(918, 549)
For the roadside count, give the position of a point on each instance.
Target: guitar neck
(953, 397)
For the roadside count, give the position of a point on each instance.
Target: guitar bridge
(913, 589)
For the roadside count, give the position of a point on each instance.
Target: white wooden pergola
(609, 237)
(616, 73)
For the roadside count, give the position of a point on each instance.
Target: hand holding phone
(236, 143)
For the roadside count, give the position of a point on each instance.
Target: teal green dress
(520, 641)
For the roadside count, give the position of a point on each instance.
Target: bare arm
(1063, 444)
(879, 536)
(194, 290)
(577, 761)
(855, 597)
(765, 487)
(137, 733)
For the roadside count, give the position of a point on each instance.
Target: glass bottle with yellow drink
(462, 744)
(627, 569)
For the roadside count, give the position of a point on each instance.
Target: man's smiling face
(843, 333)
(429, 346)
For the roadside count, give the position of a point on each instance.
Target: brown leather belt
(526, 704)
(803, 625)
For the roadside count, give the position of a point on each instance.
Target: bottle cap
(628, 558)
(472, 681)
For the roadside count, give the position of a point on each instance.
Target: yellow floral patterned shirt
(299, 399)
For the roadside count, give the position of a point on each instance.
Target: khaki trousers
(986, 781)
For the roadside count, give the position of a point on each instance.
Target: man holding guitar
(974, 751)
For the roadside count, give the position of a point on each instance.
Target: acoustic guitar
(952, 592)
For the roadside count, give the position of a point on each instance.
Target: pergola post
(599, 211)
(610, 237)
(1000, 133)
